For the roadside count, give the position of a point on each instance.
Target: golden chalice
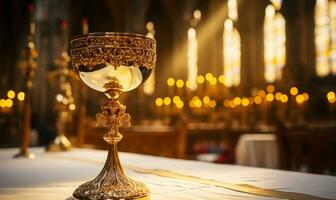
(113, 63)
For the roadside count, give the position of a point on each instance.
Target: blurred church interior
(236, 81)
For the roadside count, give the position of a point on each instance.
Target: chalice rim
(114, 48)
(107, 34)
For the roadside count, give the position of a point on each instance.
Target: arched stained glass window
(231, 47)
(231, 54)
(274, 43)
(192, 58)
(325, 37)
(192, 52)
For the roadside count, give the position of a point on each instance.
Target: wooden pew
(157, 140)
(309, 149)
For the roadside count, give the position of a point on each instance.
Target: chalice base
(60, 143)
(25, 154)
(112, 183)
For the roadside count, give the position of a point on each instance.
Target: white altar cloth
(56, 175)
(257, 150)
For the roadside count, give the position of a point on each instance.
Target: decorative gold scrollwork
(115, 49)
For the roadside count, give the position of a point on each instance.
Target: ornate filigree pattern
(113, 88)
(113, 116)
(115, 49)
(111, 183)
(124, 188)
(114, 39)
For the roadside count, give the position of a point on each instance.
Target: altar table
(56, 176)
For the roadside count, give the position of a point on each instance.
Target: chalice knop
(113, 63)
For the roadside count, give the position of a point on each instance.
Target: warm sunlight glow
(192, 58)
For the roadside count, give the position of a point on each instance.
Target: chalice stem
(112, 183)
(112, 167)
(113, 159)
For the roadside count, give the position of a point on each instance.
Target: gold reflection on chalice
(113, 63)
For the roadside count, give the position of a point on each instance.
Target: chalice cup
(113, 63)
